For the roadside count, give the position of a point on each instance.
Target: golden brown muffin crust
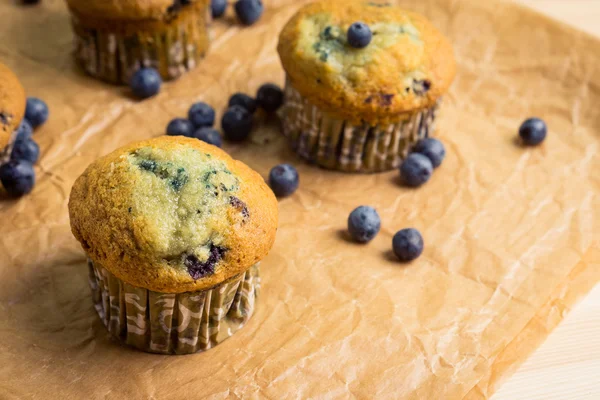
(12, 104)
(131, 9)
(136, 225)
(407, 66)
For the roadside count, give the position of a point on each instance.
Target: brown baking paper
(511, 233)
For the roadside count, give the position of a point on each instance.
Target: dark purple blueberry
(432, 149)
(209, 135)
(17, 177)
(407, 244)
(30, 2)
(416, 170)
(269, 97)
(25, 150)
(201, 115)
(218, 8)
(25, 130)
(533, 131)
(364, 224)
(284, 180)
(36, 112)
(359, 35)
(198, 269)
(180, 127)
(243, 100)
(145, 83)
(248, 11)
(237, 123)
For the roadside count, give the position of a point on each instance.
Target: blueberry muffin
(114, 38)
(174, 229)
(12, 109)
(364, 82)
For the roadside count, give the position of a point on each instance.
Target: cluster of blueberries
(237, 121)
(364, 222)
(247, 11)
(17, 175)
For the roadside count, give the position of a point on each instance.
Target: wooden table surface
(567, 365)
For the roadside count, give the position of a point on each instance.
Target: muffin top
(131, 9)
(407, 66)
(12, 104)
(173, 214)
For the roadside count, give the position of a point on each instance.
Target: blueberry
(432, 149)
(145, 83)
(26, 150)
(533, 131)
(236, 123)
(416, 170)
(25, 130)
(269, 97)
(17, 177)
(284, 180)
(243, 100)
(180, 127)
(36, 111)
(209, 135)
(359, 35)
(407, 244)
(218, 8)
(30, 2)
(201, 115)
(248, 11)
(364, 224)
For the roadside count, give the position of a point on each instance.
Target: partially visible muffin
(12, 109)
(179, 222)
(361, 109)
(114, 38)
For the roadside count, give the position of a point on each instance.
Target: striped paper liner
(113, 50)
(337, 144)
(168, 323)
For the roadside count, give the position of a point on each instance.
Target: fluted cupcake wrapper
(168, 323)
(340, 145)
(5, 152)
(115, 51)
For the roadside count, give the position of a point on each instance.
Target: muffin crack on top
(173, 214)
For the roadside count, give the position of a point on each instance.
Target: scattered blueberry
(284, 180)
(201, 115)
(145, 83)
(359, 35)
(432, 149)
(17, 177)
(26, 150)
(243, 100)
(218, 7)
(209, 135)
(364, 224)
(269, 97)
(180, 127)
(533, 131)
(248, 11)
(36, 111)
(416, 170)
(407, 244)
(236, 123)
(25, 131)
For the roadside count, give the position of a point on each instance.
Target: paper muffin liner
(168, 323)
(5, 152)
(112, 50)
(338, 144)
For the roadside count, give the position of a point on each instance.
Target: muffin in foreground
(114, 38)
(12, 109)
(359, 105)
(174, 229)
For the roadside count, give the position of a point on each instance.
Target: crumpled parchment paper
(512, 233)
